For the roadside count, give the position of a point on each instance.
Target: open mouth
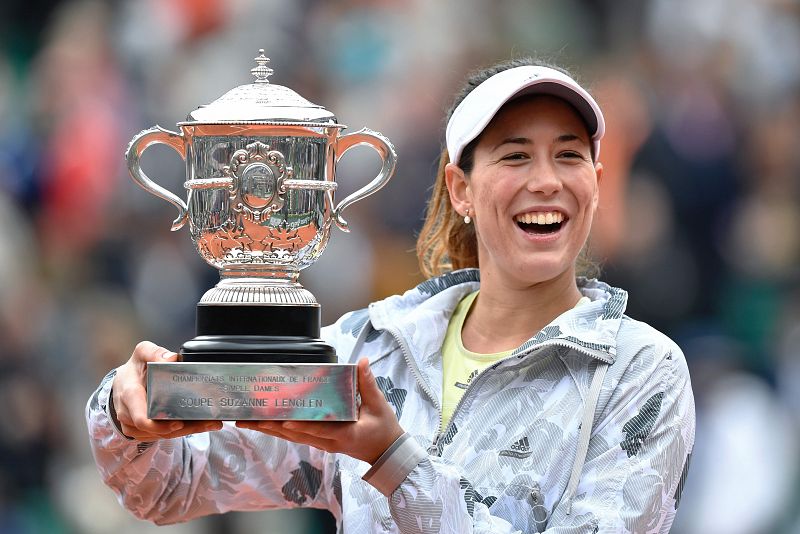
(547, 222)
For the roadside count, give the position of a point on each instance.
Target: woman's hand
(366, 439)
(130, 399)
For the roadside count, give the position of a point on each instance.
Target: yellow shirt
(459, 365)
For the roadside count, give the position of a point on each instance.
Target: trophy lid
(261, 102)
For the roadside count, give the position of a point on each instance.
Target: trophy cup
(260, 166)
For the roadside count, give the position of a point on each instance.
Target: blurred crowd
(699, 217)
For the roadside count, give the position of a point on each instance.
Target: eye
(515, 156)
(571, 154)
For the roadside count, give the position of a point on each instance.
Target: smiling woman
(532, 165)
(504, 394)
(445, 244)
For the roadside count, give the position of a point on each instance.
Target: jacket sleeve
(631, 481)
(179, 479)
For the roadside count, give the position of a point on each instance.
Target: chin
(539, 272)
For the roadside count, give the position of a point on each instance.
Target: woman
(504, 396)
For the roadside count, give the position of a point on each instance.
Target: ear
(598, 170)
(458, 187)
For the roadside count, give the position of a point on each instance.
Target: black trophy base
(257, 334)
(254, 363)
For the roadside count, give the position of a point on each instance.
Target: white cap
(479, 107)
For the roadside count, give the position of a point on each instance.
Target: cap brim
(563, 92)
(480, 106)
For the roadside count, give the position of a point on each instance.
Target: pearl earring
(467, 218)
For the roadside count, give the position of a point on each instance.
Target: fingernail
(368, 371)
(167, 355)
(177, 425)
(289, 425)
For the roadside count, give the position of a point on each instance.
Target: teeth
(549, 217)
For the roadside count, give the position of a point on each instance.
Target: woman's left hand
(366, 439)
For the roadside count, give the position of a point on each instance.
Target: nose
(544, 179)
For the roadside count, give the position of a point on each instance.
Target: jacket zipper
(434, 448)
(422, 382)
(415, 370)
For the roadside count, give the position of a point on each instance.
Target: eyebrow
(563, 138)
(513, 140)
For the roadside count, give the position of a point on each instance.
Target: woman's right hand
(129, 396)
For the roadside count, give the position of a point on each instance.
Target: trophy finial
(261, 72)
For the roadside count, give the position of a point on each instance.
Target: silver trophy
(261, 176)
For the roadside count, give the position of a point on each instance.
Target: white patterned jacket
(587, 427)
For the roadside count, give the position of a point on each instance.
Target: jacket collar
(419, 318)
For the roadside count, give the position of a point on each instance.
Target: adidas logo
(520, 449)
(462, 385)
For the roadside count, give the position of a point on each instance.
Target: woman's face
(532, 191)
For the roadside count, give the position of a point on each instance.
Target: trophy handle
(385, 150)
(137, 146)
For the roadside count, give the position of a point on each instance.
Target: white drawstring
(585, 432)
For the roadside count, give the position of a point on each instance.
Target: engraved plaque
(251, 391)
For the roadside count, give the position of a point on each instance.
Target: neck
(504, 316)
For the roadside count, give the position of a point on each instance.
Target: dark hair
(445, 243)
